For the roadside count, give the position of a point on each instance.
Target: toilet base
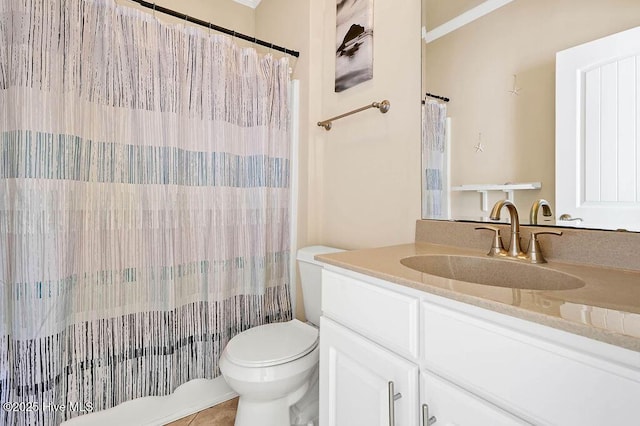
(268, 413)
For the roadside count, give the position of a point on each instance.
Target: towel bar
(383, 106)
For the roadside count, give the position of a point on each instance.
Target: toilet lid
(272, 344)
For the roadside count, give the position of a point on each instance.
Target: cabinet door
(452, 405)
(354, 384)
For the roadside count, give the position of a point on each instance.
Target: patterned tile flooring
(223, 414)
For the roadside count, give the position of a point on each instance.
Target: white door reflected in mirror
(597, 127)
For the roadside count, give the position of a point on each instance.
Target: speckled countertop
(606, 308)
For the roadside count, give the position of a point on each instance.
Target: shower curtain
(434, 160)
(144, 204)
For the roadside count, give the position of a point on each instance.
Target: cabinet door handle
(393, 397)
(426, 420)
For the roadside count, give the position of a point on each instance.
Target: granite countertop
(606, 308)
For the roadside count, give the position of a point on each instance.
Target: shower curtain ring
(154, 9)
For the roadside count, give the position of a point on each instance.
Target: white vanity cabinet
(460, 363)
(368, 354)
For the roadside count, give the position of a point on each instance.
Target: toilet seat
(272, 344)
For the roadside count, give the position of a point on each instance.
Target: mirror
(496, 62)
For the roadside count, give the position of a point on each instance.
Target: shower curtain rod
(431, 95)
(215, 27)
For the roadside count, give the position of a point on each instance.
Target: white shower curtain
(144, 195)
(434, 160)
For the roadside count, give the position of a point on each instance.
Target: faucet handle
(534, 254)
(497, 248)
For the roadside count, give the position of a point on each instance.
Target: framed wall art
(354, 43)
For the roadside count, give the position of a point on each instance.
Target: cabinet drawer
(382, 315)
(540, 381)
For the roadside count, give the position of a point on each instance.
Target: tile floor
(223, 414)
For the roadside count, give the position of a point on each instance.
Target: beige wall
(474, 66)
(225, 13)
(359, 182)
(368, 165)
(437, 12)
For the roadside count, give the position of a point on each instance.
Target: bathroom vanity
(403, 347)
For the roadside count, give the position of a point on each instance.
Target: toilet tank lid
(307, 254)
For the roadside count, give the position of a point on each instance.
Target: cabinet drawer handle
(426, 420)
(393, 397)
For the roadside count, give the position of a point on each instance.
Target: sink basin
(494, 272)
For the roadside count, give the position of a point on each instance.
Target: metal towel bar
(383, 106)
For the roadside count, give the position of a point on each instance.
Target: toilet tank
(311, 279)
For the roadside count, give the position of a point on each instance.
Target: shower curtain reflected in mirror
(144, 203)
(435, 185)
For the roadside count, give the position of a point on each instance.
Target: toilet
(272, 367)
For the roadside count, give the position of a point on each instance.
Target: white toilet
(271, 366)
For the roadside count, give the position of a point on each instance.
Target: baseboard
(191, 397)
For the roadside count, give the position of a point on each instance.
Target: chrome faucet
(546, 210)
(514, 244)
